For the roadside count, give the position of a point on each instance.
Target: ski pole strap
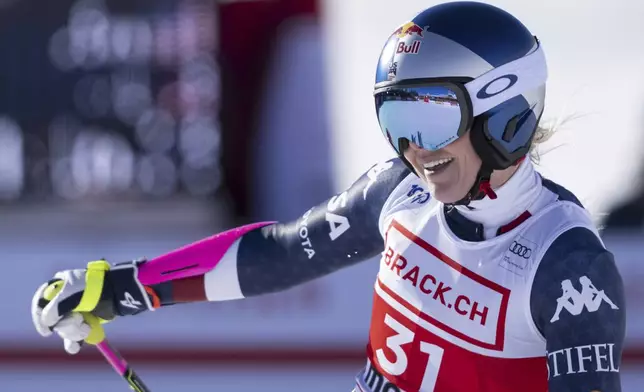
(94, 279)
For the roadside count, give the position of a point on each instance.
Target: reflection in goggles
(414, 95)
(429, 116)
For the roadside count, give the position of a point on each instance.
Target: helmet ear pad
(503, 135)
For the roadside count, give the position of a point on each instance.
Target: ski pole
(97, 337)
(121, 366)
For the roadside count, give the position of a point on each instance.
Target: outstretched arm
(268, 257)
(577, 303)
(242, 262)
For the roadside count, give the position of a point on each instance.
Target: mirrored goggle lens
(431, 116)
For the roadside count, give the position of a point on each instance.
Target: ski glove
(76, 302)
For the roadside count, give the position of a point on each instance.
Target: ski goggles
(433, 113)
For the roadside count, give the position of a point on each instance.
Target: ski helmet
(457, 67)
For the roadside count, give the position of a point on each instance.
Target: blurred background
(130, 128)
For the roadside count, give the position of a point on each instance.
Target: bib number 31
(416, 363)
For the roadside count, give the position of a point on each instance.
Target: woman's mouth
(436, 166)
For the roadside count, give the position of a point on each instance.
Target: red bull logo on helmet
(412, 48)
(409, 28)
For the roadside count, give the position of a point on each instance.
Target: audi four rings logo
(483, 93)
(520, 250)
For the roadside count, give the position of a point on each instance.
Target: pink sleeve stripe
(194, 259)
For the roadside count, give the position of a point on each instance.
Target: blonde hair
(541, 135)
(544, 133)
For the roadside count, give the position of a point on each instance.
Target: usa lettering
(338, 224)
(408, 49)
(303, 232)
(435, 289)
(582, 359)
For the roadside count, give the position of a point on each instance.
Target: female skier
(492, 278)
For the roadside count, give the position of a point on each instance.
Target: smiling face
(449, 172)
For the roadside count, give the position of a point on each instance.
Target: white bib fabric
(451, 315)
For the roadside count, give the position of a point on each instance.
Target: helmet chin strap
(479, 189)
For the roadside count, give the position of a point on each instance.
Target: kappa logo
(520, 250)
(574, 301)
